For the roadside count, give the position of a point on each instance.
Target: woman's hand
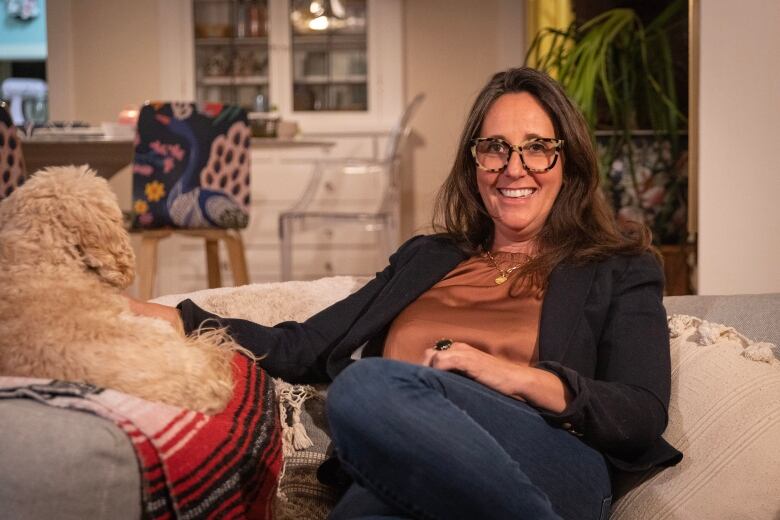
(155, 310)
(539, 387)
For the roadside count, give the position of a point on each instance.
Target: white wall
(103, 56)
(451, 48)
(739, 140)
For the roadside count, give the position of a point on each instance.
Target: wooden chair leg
(237, 255)
(212, 263)
(147, 266)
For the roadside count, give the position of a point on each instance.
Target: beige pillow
(724, 416)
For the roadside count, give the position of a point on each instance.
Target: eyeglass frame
(518, 148)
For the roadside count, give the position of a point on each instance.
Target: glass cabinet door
(231, 52)
(329, 55)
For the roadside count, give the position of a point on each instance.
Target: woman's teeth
(517, 194)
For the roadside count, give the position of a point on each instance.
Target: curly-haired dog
(64, 258)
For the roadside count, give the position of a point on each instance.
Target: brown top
(467, 305)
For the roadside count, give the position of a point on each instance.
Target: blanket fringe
(291, 399)
(707, 333)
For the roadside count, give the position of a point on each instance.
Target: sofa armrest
(65, 464)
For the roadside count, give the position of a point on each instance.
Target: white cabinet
(203, 58)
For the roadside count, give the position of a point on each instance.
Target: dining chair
(12, 170)
(330, 199)
(191, 174)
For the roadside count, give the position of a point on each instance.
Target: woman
(510, 363)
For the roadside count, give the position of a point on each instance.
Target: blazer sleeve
(622, 411)
(297, 352)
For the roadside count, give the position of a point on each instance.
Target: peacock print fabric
(12, 171)
(192, 166)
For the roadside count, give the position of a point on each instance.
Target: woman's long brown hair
(580, 227)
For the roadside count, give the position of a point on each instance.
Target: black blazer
(603, 332)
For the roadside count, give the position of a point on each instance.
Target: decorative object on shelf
(255, 19)
(243, 63)
(213, 31)
(621, 74)
(217, 63)
(23, 9)
(263, 124)
(286, 129)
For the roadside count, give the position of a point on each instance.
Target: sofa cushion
(724, 415)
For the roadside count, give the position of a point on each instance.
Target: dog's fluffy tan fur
(64, 259)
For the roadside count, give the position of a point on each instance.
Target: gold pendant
(501, 279)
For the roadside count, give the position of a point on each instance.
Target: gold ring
(442, 344)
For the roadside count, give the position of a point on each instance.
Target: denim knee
(366, 393)
(355, 386)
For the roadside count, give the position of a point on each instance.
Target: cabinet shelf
(218, 81)
(210, 42)
(324, 80)
(330, 38)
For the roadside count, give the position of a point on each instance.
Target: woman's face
(518, 201)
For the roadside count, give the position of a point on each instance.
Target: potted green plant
(621, 74)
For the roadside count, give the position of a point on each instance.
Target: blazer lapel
(420, 273)
(563, 308)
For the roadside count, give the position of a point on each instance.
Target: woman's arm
(297, 352)
(621, 408)
(155, 310)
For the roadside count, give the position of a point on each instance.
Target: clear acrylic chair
(336, 195)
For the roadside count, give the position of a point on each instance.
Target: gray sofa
(57, 463)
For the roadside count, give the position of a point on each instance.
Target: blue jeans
(424, 443)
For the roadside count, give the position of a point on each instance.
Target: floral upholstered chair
(12, 171)
(191, 175)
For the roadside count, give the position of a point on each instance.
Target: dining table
(108, 154)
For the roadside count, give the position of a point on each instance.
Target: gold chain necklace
(503, 273)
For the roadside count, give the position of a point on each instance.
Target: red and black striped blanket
(193, 465)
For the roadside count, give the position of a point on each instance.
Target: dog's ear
(64, 215)
(104, 246)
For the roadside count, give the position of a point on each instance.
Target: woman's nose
(514, 168)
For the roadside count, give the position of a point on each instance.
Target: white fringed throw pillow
(724, 416)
